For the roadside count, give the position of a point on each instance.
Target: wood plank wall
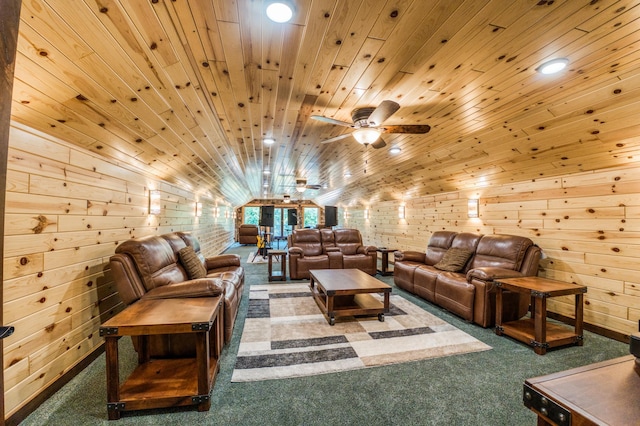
(587, 224)
(66, 211)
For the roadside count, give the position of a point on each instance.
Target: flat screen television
(330, 215)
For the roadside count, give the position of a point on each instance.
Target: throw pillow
(453, 260)
(191, 262)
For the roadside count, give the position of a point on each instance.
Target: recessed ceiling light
(395, 150)
(280, 12)
(267, 172)
(347, 175)
(553, 66)
(269, 141)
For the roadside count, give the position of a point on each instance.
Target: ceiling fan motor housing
(360, 116)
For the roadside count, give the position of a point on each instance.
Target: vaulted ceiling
(188, 90)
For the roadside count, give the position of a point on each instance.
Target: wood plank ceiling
(189, 89)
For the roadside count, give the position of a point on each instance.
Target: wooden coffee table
(347, 292)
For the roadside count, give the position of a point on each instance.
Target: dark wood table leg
(113, 377)
(499, 311)
(579, 318)
(540, 325)
(203, 365)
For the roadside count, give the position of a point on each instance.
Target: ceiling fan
(367, 123)
(301, 185)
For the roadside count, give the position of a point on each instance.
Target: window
(310, 217)
(252, 215)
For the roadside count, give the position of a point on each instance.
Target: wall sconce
(346, 215)
(198, 209)
(472, 207)
(154, 202)
(401, 212)
(216, 212)
(366, 214)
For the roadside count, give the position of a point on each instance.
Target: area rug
(257, 258)
(286, 335)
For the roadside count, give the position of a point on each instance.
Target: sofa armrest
(296, 251)
(332, 249)
(222, 260)
(410, 256)
(492, 273)
(368, 250)
(201, 287)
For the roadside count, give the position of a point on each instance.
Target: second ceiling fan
(368, 124)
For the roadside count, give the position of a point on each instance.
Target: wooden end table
(604, 393)
(384, 267)
(280, 275)
(535, 330)
(157, 383)
(346, 292)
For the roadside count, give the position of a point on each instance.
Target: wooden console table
(535, 330)
(605, 393)
(157, 383)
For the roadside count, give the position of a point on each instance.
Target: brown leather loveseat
(329, 249)
(465, 285)
(172, 266)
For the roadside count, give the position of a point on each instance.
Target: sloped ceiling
(189, 89)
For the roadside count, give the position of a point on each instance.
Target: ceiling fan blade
(382, 112)
(331, 120)
(380, 143)
(337, 138)
(407, 128)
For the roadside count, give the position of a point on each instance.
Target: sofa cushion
(191, 263)
(348, 240)
(453, 260)
(439, 243)
(501, 251)
(308, 240)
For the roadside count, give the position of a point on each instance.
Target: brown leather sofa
(470, 291)
(247, 234)
(150, 267)
(329, 249)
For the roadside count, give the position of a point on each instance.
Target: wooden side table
(535, 330)
(384, 268)
(604, 393)
(157, 383)
(277, 275)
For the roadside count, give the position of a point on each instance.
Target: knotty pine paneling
(66, 211)
(587, 224)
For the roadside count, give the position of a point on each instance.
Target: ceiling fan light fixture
(301, 188)
(366, 135)
(287, 198)
(280, 12)
(553, 66)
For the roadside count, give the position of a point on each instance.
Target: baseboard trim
(615, 335)
(31, 406)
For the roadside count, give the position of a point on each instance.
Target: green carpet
(479, 388)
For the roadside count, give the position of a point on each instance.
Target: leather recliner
(329, 249)
(306, 253)
(247, 234)
(149, 267)
(469, 292)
